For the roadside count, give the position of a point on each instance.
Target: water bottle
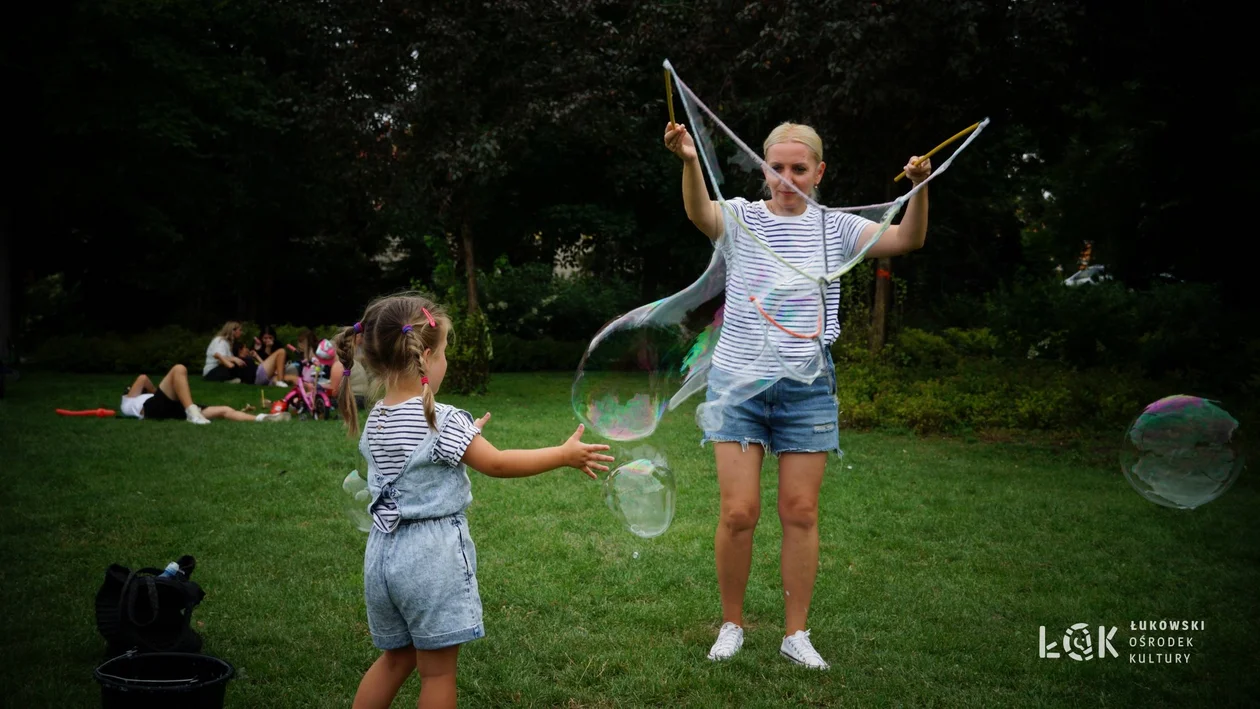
(172, 570)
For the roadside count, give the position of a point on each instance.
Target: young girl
(304, 351)
(270, 356)
(420, 565)
(806, 425)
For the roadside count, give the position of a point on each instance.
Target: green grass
(940, 559)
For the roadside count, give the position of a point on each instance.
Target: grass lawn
(940, 561)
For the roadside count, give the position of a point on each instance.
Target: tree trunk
(883, 296)
(470, 265)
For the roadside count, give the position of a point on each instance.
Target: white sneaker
(237, 380)
(278, 416)
(194, 415)
(797, 648)
(729, 640)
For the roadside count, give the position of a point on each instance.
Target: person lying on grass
(172, 399)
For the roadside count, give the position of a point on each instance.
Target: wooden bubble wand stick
(958, 135)
(669, 96)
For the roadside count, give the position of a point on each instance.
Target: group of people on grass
(232, 360)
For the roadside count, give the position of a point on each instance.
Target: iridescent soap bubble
(645, 362)
(355, 503)
(1182, 451)
(641, 495)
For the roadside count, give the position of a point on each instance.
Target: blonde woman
(222, 364)
(796, 422)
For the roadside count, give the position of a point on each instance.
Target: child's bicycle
(316, 404)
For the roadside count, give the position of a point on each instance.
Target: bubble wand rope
(957, 135)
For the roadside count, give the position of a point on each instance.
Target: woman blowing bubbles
(797, 422)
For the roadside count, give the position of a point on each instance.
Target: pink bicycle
(316, 404)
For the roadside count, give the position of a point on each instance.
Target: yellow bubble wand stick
(957, 135)
(669, 96)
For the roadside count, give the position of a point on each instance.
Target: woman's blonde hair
(390, 340)
(226, 331)
(788, 132)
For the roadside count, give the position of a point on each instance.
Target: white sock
(259, 417)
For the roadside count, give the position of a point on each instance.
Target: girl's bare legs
(175, 385)
(142, 385)
(226, 412)
(800, 479)
(274, 366)
(437, 677)
(383, 679)
(739, 486)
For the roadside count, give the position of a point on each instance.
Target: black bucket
(163, 679)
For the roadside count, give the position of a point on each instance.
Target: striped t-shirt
(797, 240)
(394, 432)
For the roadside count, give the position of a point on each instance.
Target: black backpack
(143, 610)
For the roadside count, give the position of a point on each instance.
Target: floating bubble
(641, 494)
(359, 497)
(1182, 452)
(643, 363)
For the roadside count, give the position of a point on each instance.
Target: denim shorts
(788, 417)
(420, 583)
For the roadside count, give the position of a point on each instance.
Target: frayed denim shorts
(788, 417)
(420, 583)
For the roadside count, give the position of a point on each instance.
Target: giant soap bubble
(760, 281)
(641, 494)
(355, 504)
(643, 363)
(1182, 451)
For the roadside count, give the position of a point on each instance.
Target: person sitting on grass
(221, 364)
(172, 399)
(263, 368)
(272, 356)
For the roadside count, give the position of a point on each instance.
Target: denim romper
(420, 580)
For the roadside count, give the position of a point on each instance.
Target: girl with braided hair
(420, 565)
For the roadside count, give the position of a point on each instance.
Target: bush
(1168, 328)
(531, 302)
(916, 348)
(987, 393)
(469, 351)
(513, 354)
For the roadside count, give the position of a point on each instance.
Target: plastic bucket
(163, 679)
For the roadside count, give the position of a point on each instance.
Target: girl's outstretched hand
(679, 141)
(583, 456)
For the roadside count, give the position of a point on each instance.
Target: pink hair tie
(424, 381)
